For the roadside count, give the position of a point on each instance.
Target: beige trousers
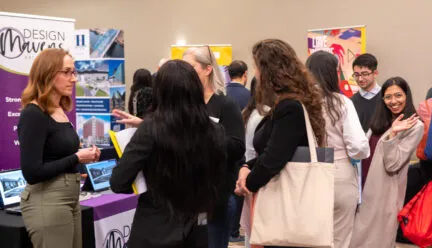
(51, 212)
(346, 198)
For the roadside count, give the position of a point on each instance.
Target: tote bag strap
(311, 137)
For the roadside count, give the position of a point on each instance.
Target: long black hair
(142, 78)
(323, 66)
(189, 156)
(382, 118)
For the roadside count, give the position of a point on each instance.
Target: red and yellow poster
(346, 44)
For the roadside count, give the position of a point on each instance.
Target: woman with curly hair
(284, 84)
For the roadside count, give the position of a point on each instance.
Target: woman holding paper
(225, 111)
(49, 153)
(181, 153)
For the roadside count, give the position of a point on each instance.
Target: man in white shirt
(365, 72)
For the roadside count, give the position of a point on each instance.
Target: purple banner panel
(111, 204)
(11, 87)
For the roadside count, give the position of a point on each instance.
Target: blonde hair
(41, 80)
(205, 57)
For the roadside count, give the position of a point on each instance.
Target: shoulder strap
(311, 137)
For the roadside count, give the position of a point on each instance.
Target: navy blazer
(239, 93)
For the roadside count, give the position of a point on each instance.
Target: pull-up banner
(346, 44)
(22, 37)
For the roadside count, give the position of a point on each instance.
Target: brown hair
(41, 80)
(283, 75)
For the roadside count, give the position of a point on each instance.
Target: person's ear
(209, 70)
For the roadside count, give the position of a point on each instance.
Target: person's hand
(98, 152)
(399, 125)
(244, 172)
(88, 155)
(241, 188)
(126, 118)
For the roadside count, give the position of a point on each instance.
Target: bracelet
(245, 165)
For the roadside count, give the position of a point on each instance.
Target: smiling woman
(396, 99)
(394, 135)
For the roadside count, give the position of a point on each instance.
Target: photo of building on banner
(93, 129)
(222, 53)
(346, 44)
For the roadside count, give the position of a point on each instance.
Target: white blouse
(346, 136)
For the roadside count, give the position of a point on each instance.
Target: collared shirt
(370, 94)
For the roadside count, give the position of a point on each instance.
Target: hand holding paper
(120, 140)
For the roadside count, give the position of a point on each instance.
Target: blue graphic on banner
(92, 105)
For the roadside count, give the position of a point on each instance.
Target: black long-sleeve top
(228, 112)
(47, 147)
(276, 139)
(136, 157)
(220, 107)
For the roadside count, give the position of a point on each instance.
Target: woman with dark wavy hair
(284, 84)
(182, 155)
(346, 136)
(395, 132)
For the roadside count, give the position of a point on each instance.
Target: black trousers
(235, 222)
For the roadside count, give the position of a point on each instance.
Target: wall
(398, 32)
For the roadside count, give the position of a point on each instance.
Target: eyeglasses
(69, 73)
(363, 74)
(210, 54)
(397, 96)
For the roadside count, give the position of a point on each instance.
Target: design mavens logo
(11, 43)
(14, 42)
(116, 239)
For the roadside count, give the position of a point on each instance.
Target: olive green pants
(51, 212)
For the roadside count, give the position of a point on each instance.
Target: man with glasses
(365, 100)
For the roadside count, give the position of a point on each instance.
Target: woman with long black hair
(395, 132)
(346, 136)
(182, 155)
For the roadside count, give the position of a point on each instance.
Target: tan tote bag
(295, 208)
